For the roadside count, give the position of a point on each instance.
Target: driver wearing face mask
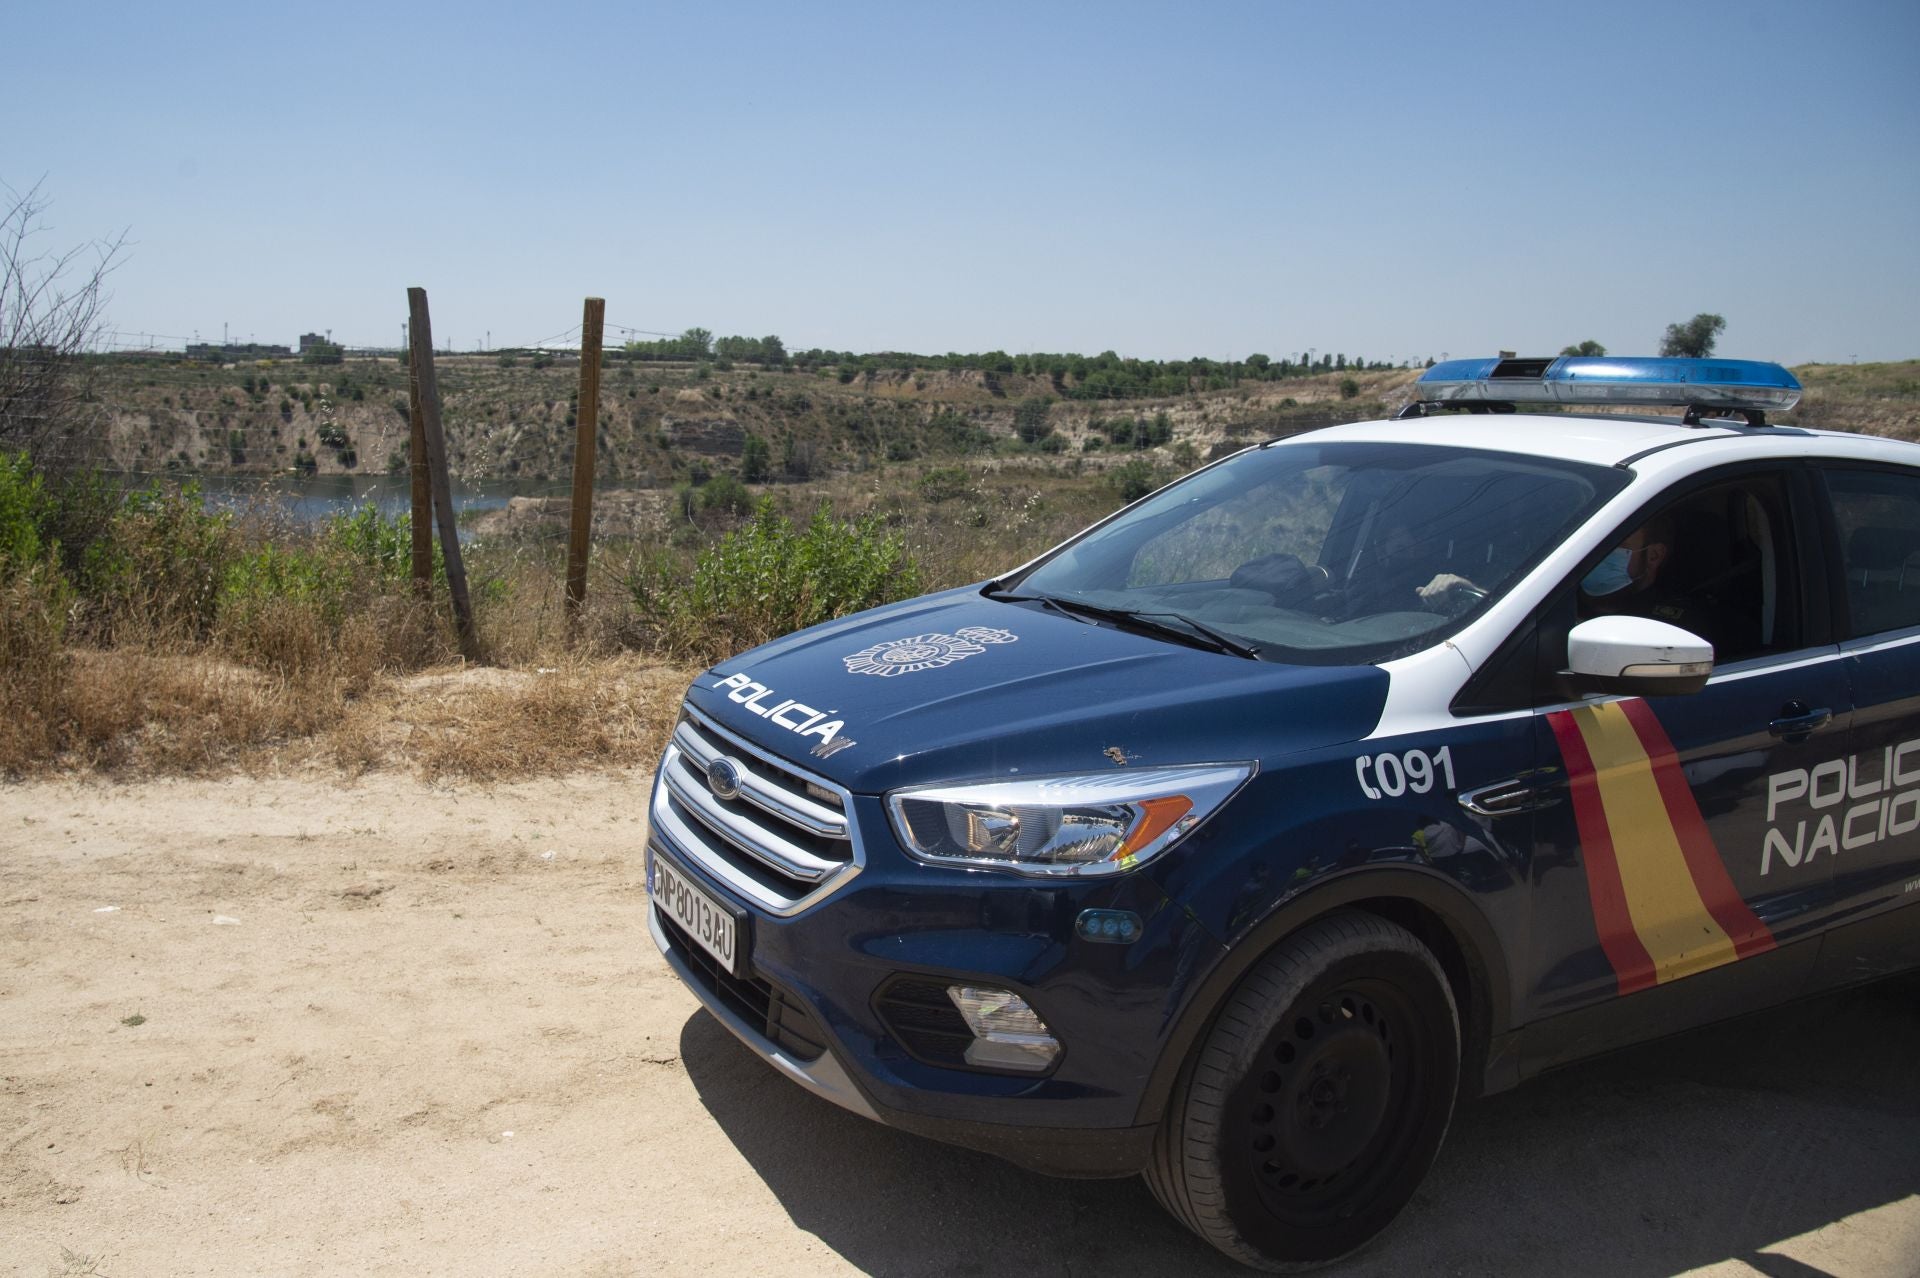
(1636, 579)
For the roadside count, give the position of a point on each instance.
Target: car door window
(1876, 516)
(1711, 563)
(1874, 816)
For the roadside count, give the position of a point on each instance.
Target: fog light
(1007, 1034)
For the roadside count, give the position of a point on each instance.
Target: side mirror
(1635, 656)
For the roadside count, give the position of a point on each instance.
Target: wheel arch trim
(1485, 1010)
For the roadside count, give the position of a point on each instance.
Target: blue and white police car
(1232, 839)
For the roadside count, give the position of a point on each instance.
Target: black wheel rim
(1329, 1106)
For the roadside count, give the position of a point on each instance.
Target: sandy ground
(393, 1029)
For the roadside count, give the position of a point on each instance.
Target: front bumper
(1092, 1153)
(846, 948)
(822, 1075)
(808, 1007)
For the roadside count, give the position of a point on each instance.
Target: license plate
(713, 927)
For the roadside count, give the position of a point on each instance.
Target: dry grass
(125, 713)
(135, 712)
(1875, 399)
(488, 724)
(297, 679)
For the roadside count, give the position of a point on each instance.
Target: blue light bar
(1587, 379)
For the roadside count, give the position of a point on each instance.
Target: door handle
(1531, 791)
(1796, 721)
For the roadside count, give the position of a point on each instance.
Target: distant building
(310, 340)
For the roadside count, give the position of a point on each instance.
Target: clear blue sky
(1387, 180)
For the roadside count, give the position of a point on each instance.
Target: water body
(313, 498)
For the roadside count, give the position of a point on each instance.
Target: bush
(304, 574)
(290, 607)
(768, 579)
(942, 483)
(725, 495)
(1140, 433)
(1134, 479)
(156, 573)
(756, 460)
(378, 541)
(1030, 420)
(34, 665)
(1349, 388)
(23, 511)
(81, 515)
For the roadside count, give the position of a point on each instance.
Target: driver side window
(1726, 572)
(1714, 562)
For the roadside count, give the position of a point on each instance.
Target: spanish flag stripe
(1632, 966)
(1668, 913)
(1749, 935)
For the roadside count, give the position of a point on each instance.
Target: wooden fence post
(417, 472)
(420, 334)
(591, 324)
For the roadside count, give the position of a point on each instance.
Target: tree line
(1103, 376)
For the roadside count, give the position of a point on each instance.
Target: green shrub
(82, 510)
(157, 572)
(725, 495)
(289, 606)
(304, 573)
(769, 579)
(23, 512)
(1030, 420)
(942, 483)
(756, 460)
(383, 543)
(685, 501)
(1134, 479)
(1140, 433)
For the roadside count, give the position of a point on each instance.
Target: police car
(1232, 839)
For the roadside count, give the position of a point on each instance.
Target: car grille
(783, 842)
(783, 1019)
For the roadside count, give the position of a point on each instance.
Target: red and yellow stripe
(1663, 903)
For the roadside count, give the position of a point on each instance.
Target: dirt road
(306, 1027)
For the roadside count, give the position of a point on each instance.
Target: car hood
(955, 686)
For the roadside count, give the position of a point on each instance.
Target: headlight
(1097, 823)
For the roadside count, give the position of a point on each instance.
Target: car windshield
(1324, 554)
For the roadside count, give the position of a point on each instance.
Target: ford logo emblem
(723, 778)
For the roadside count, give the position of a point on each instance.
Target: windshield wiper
(1000, 594)
(1178, 625)
(1185, 628)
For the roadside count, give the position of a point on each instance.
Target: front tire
(1317, 1102)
